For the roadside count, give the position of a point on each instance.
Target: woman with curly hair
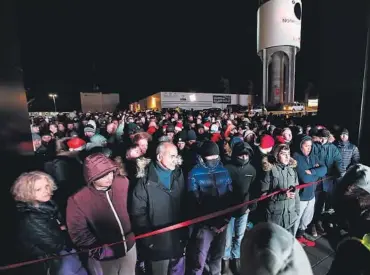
(41, 231)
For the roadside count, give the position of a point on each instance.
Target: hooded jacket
(353, 200)
(310, 162)
(280, 209)
(242, 174)
(330, 156)
(210, 190)
(268, 249)
(98, 217)
(353, 209)
(153, 206)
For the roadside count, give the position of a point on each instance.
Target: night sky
(138, 50)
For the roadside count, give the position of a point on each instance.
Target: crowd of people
(104, 178)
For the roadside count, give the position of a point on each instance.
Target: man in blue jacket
(210, 189)
(309, 170)
(329, 156)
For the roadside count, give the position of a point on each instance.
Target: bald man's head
(111, 128)
(167, 155)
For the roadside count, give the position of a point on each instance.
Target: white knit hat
(270, 249)
(214, 129)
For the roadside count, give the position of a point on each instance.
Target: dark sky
(138, 50)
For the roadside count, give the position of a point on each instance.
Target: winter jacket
(350, 154)
(216, 137)
(153, 207)
(352, 200)
(242, 175)
(311, 163)
(352, 207)
(210, 191)
(66, 171)
(189, 158)
(280, 209)
(39, 233)
(258, 158)
(329, 155)
(97, 217)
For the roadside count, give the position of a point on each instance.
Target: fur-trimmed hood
(353, 200)
(268, 162)
(143, 163)
(359, 176)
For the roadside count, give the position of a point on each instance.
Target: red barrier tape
(169, 228)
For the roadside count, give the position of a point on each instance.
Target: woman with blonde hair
(41, 232)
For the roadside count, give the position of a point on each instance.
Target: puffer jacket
(153, 206)
(350, 154)
(98, 217)
(280, 209)
(39, 232)
(210, 190)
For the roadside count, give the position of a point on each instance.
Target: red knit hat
(151, 130)
(280, 139)
(76, 144)
(267, 142)
(207, 125)
(179, 126)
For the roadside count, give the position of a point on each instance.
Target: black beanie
(209, 148)
(170, 128)
(324, 133)
(181, 137)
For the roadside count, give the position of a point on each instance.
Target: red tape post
(169, 228)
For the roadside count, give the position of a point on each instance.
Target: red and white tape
(171, 227)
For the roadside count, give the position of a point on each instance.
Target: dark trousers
(324, 198)
(205, 246)
(166, 267)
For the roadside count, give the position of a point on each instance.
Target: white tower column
(278, 41)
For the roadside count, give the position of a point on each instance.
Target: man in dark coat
(330, 156)
(158, 200)
(242, 174)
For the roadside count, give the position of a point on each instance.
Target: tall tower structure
(278, 41)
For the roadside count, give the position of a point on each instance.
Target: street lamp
(54, 96)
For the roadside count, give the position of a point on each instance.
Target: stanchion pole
(364, 85)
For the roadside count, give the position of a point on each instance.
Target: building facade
(188, 101)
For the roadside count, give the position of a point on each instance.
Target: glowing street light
(54, 96)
